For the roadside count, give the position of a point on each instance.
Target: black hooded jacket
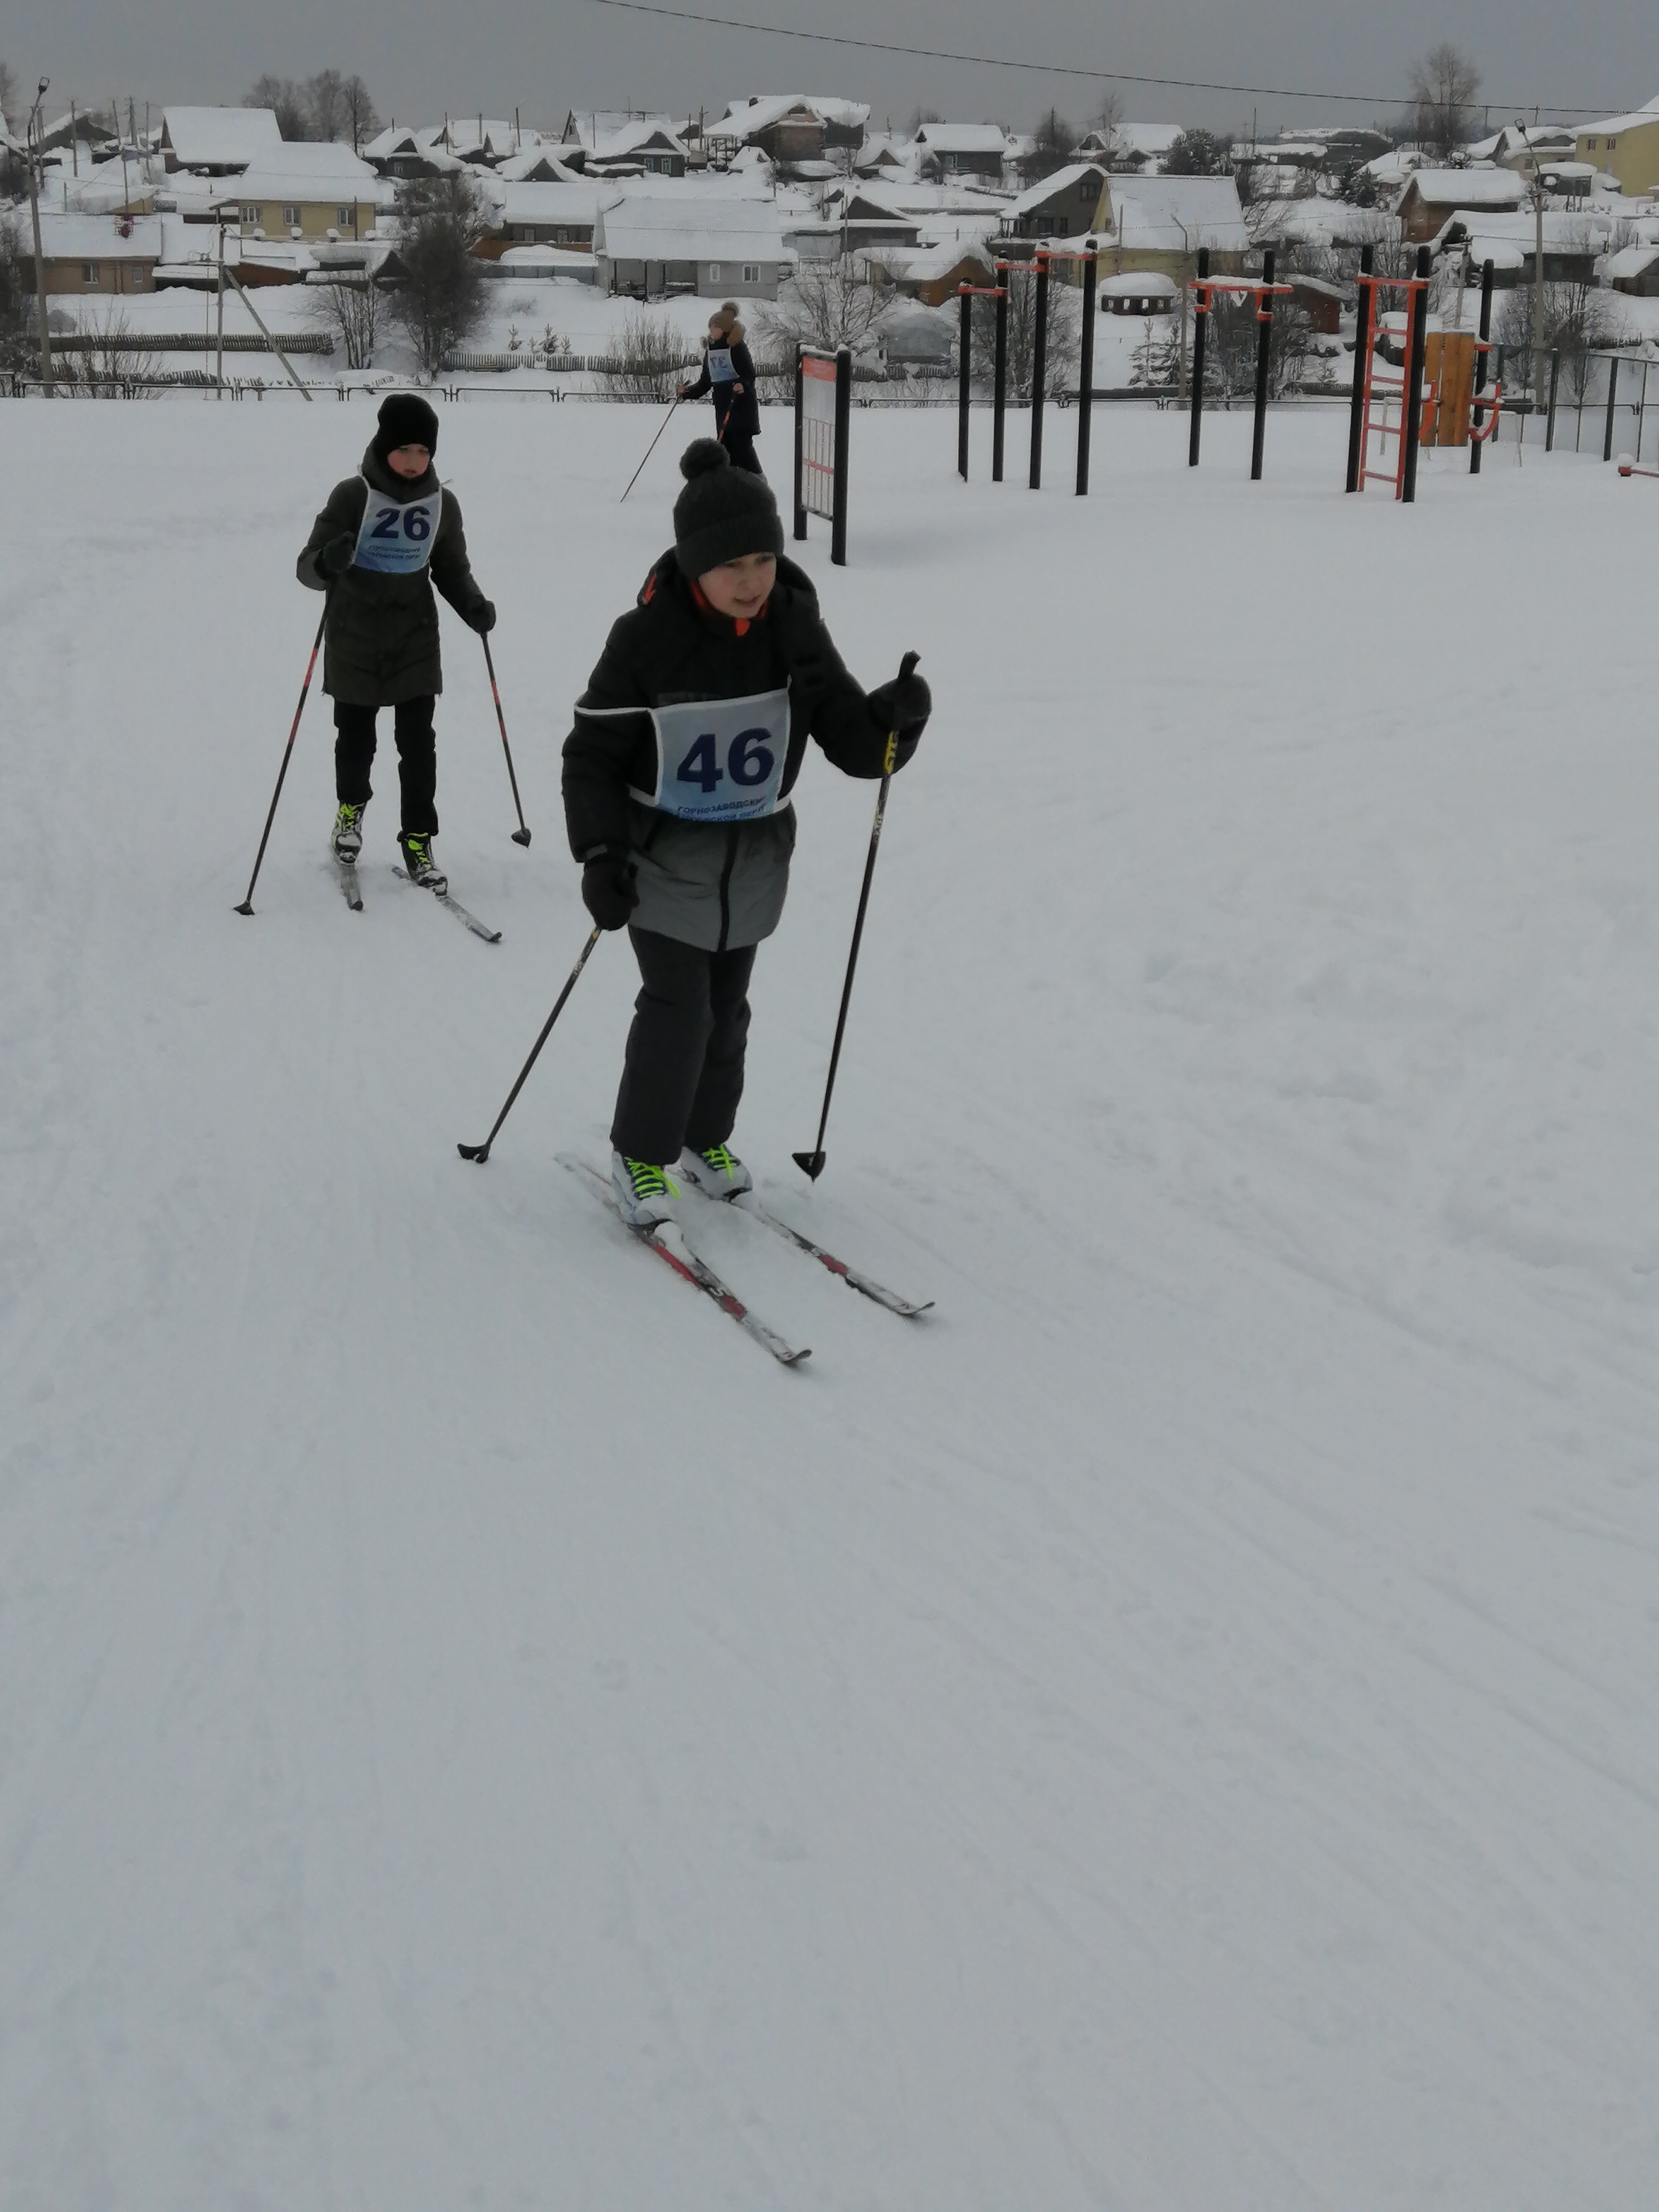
(712, 883)
(383, 630)
(741, 409)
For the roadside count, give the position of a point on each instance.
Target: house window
(751, 272)
(714, 272)
(138, 280)
(89, 272)
(1612, 142)
(342, 216)
(255, 215)
(290, 216)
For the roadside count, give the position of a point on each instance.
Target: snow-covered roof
(1469, 188)
(100, 237)
(567, 203)
(1630, 261)
(1612, 125)
(634, 137)
(690, 227)
(323, 163)
(743, 118)
(1038, 195)
(923, 264)
(1154, 140)
(220, 137)
(1176, 214)
(963, 138)
(1565, 230)
(1137, 285)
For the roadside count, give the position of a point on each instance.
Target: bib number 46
(750, 761)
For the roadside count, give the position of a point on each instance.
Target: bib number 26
(749, 760)
(415, 522)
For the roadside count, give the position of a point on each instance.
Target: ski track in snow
(1172, 1730)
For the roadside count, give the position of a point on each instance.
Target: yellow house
(278, 214)
(303, 190)
(1626, 146)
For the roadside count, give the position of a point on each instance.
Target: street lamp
(33, 151)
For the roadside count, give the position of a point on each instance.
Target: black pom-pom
(702, 456)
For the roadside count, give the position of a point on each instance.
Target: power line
(1376, 102)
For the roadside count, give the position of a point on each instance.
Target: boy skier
(728, 370)
(677, 773)
(385, 537)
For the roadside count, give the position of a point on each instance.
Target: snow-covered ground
(1173, 1731)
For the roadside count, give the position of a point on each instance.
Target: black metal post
(1362, 354)
(964, 378)
(1480, 361)
(800, 442)
(1412, 427)
(1000, 400)
(1200, 318)
(843, 428)
(1612, 394)
(1555, 385)
(1085, 390)
(1039, 369)
(1264, 346)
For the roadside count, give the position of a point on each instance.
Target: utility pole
(35, 131)
(222, 306)
(1539, 346)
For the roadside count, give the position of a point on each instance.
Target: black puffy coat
(382, 645)
(709, 883)
(741, 407)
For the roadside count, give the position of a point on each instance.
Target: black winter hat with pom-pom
(405, 419)
(723, 513)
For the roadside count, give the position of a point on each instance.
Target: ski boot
(644, 1197)
(418, 863)
(348, 832)
(716, 1171)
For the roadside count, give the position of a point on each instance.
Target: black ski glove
(903, 703)
(608, 891)
(338, 555)
(481, 616)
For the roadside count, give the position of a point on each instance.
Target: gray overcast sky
(422, 57)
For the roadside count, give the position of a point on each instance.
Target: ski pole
(246, 907)
(811, 1163)
(520, 835)
(652, 447)
(481, 1153)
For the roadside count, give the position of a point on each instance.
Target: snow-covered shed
(1432, 196)
(961, 150)
(1138, 292)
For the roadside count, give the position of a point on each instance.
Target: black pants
(740, 445)
(682, 1076)
(417, 759)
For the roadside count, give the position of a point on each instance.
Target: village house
(560, 215)
(1149, 222)
(932, 274)
(301, 190)
(649, 247)
(1433, 196)
(961, 150)
(1634, 270)
(1064, 205)
(1573, 242)
(638, 149)
(789, 128)
(1627, 148)
(114, 255)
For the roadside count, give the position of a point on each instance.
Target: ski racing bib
(720, 370)
(393, 540)
(721, 760)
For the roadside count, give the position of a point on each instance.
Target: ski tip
(521, 837)
(810, 1163)
(246, 907)
(479, 1152)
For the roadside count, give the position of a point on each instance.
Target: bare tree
(1107, 119)
(19, 341)
(286, 98)
(440, 300)
(650, 360)
(351, 306)
(828, 304)
(323, 97)
(1064, 335)
(358, 113)
(1055, 138)
(8, 92)
(1444, 84)
(1579, 321)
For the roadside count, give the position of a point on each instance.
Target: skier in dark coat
(728, 371)
(385, 538)
(677, 773)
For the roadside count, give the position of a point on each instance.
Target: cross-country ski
(350, 883)
(668, 1241)
(854, 1278)
(453, 905)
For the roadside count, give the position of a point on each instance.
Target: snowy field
(1175, 1730)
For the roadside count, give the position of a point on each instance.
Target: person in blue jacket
(728, 371)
